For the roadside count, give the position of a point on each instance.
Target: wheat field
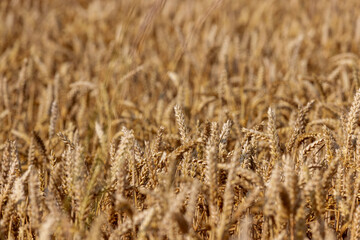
(207, 119)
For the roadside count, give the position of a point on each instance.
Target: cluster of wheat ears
(179, 119)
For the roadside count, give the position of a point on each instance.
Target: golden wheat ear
(300, 125)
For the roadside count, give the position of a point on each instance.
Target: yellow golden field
(188, 119)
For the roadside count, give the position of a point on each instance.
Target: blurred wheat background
(179, 119)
